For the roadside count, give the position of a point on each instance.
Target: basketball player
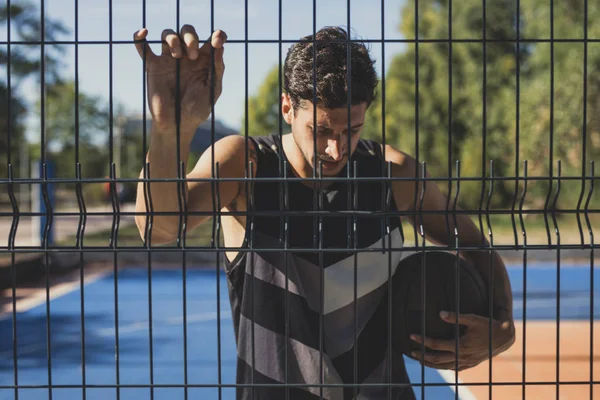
(278, 298)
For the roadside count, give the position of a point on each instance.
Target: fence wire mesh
(306, 220)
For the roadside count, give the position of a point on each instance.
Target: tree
(24, 63)
(264, 112)
(567, 125)
(69, 141)
(453, 129)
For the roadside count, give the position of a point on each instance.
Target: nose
(334, 149)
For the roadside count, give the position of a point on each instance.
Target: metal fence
(504, 198)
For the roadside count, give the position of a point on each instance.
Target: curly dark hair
(331, 72)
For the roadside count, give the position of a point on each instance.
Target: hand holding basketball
(182, 55)
(473, 345)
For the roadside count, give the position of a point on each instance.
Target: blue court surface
(203, 351)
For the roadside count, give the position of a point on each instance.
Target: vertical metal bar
(182, 242)
(551, 160)
(518, 116)
(12, 261)
(591, 232)
(383, 141)
(43, 83)
(146, 184)
(286, 245)
(181, 198)
(524, 231)
(13, 270)
(149, 253)
(388, 198)
(44, 184)
(144, 112)
(353, 192)
(557, 232)
(450, 82)
(483, 173)
(215, 188)
(385, 206)
(252, 211)
(416, 112)
(423, 269)
(249, 199)
(9, 87)
(584, 128)
(79, 244)
(317, 238)
(315, 150)
(457, 266)
(491, 270)
(355, 249)
(283, 201)
(517, 147)
(49, 212)
(322, 272)
(81, 205)
(112, 242)
(113, 245)
(218, 234)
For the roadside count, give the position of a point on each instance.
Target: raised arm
(177, 111)
(200, 196)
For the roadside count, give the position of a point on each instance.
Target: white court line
(56, 291)
(463, 392)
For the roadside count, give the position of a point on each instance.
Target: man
(293, 309)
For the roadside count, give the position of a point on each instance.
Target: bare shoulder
(403, 164)
(230, 152)
(235, 146)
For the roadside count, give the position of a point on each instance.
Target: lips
(331, 163)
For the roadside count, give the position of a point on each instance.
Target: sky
(230, 16)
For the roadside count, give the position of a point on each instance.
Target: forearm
(160, 197)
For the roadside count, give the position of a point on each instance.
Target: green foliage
(468, 121)
(264, 111)
(484, 107)
(24, 63)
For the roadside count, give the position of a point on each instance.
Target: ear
(286, 108)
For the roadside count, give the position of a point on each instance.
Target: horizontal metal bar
(281, 213)
(25, 181)
(284, 41)
(173, 249)
(292, 385)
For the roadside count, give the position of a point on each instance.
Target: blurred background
(504, 101)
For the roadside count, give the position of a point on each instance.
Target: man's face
(331, 134)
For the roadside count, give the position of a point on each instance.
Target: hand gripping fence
(491, 183)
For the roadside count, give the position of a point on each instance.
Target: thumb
(141, 44)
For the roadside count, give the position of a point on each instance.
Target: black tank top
(301, 330)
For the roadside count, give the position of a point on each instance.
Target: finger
(435, 344)
(190, 40)
(437, 358)
(462, 319)
(437, 365)
(171, 43)
(219, 64)
(216, 40)
(141, 44)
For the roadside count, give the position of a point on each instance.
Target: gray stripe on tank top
(303, 361)
(372, 272)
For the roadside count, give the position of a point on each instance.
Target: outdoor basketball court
(157, 357)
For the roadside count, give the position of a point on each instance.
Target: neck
(298, 163)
